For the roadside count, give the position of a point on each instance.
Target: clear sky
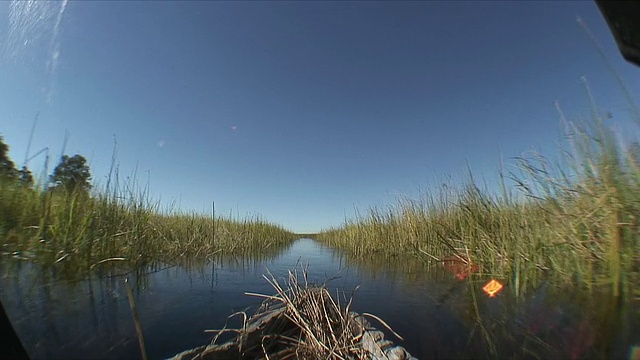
(299, 111)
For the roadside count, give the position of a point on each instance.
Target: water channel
(438, 315)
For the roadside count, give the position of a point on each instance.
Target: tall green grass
(119, 225)
(576, 219)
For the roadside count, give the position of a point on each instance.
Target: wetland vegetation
(78, 229)
(569, 222)
(574, 220)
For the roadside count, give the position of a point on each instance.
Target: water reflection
(438, 315)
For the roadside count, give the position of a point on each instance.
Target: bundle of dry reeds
(301, 321)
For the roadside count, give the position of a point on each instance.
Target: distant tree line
(71, 173)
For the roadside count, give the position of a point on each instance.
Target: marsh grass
(85, 231)
(576, 219)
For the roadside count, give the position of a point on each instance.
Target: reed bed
(86, 230)
(575, 219)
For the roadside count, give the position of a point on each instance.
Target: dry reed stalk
(136, 320)
(300, 321)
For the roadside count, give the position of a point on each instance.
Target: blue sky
(299, 111)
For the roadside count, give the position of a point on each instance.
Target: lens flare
(34, 35)
(492, 288)
(459, 266)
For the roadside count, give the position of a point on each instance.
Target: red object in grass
(460, 267)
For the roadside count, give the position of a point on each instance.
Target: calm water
(438, 315)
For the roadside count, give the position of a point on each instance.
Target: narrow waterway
(438, 315)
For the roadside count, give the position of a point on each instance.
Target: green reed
(117, 224)
(576, 219)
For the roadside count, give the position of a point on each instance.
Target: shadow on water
(439, 316)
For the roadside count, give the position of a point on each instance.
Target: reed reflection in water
(439, 315)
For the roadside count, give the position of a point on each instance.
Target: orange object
(492, 288)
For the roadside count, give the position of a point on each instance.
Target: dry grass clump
(301, 321)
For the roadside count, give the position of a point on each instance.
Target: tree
(25, 176)
(7, 167)
(72, 173)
